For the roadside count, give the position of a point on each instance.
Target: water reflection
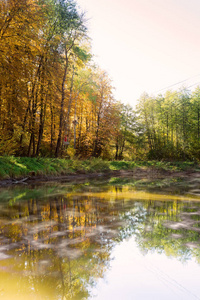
(55, 244)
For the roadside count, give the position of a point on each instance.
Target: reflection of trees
(64, 242)
(171, 227)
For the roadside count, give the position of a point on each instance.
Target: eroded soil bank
(136, 173)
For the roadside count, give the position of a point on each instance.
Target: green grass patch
(16, 167)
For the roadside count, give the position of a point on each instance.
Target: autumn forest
(56, 102)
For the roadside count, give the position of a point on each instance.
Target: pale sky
(145, 45)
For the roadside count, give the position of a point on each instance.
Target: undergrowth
(16, 167)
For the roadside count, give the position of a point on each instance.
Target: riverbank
(15, 170)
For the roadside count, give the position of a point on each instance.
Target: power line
(175, 93)
(177, 83)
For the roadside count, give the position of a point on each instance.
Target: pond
(113, 239)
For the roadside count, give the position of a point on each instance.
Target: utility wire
(183, 89)
(177, 83)
(175, 93)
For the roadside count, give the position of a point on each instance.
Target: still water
(119, 239)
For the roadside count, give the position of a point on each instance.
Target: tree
(73, 30)
(126, 130)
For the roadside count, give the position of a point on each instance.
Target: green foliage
(17, 167)
(122, 165)
(47, 80)
(81, 53)
(171, 125)
(23, 166)
(96, 165)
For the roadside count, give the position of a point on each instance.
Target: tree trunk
(42, 115)
(52, 127)
(117, 148)
(198, 115)
(62, 106)
(24, 122)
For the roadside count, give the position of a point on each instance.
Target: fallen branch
(21, 181)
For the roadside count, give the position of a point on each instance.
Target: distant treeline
(55, 102)
(171, 125)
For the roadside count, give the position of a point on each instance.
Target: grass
(160, 165)
(17, 167)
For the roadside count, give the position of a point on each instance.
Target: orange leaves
(46, 82)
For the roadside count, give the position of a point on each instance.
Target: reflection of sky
(76, 231)
(153, 276)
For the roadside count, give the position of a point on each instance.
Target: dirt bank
(137, 173)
